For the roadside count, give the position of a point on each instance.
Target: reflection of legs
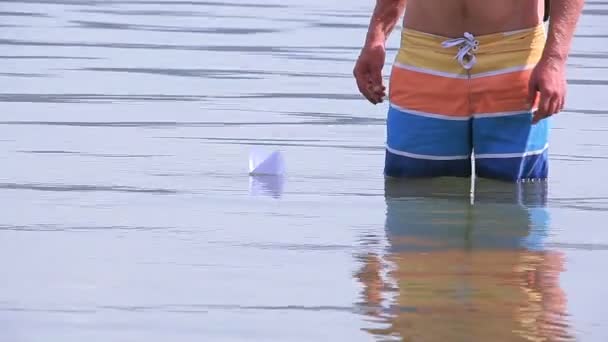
(510, 215)
(427, 214)
(511, 222)
(457, 263)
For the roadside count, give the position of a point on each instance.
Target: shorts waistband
(523, 38)
(486, 52)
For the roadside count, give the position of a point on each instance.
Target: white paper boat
(264, 163)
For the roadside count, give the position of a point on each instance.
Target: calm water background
(128, 214)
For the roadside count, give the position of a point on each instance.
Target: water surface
(128, 214)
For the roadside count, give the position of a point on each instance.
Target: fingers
(362, 79)
(369, 81)
(548, 105)
(543, 108)
(562, 102)
(377, 87)
(554, 105)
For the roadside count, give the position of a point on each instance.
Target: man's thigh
(428, 125)
(505, 143)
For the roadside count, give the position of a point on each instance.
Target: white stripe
(425, 156)
(511, 155)
(498, 114)
(460, 118)
(430, 115)
(502, 71)
(430, 71)
(461, 76)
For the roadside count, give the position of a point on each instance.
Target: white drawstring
(466, 46)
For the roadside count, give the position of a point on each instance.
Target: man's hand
(549, 79)
(549, 76)
(368, 69)
(368, 73)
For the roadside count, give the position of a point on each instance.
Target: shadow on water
(457, 269)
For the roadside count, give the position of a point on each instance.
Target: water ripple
(151, 124)
(96, 155)
(176, 308)
(22, 14)
(590, 55)
(82, 188)
(588, 82)
(579, 246)
(150, 12)
(48, 57)
(600, 12)
(145, 2)
(214, 48)
(61, 228)
(327, 96)
(278, 143)
(587, 111)
(75, 98)
(217, 73)
(158, 28)
(22, 74)
(270, 143)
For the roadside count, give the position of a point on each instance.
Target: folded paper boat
(264, 163)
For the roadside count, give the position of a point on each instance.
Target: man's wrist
(375, 37)
(554, 57)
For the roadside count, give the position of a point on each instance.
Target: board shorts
(452, 100)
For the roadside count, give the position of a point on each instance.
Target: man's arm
(564, 16)
(549, 77)
(368, 69)
(383, 21)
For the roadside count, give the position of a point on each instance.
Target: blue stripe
(423, 135)
(514, 169)
(509, 134)
(401, 166)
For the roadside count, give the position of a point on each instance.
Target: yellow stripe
(496, 51)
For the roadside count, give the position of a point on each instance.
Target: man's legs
(420, 146)
(510, 147)
(428, 122)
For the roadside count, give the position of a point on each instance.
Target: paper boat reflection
(266, 185)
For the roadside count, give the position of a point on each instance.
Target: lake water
(128, 213)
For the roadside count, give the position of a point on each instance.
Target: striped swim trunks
(457, 99)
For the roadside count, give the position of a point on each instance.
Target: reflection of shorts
(424, 216)
(441, 111)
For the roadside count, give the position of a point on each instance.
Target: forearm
(564, 18)
(383, 21)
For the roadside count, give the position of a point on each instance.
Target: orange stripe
(428, 93)
(501, 93)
